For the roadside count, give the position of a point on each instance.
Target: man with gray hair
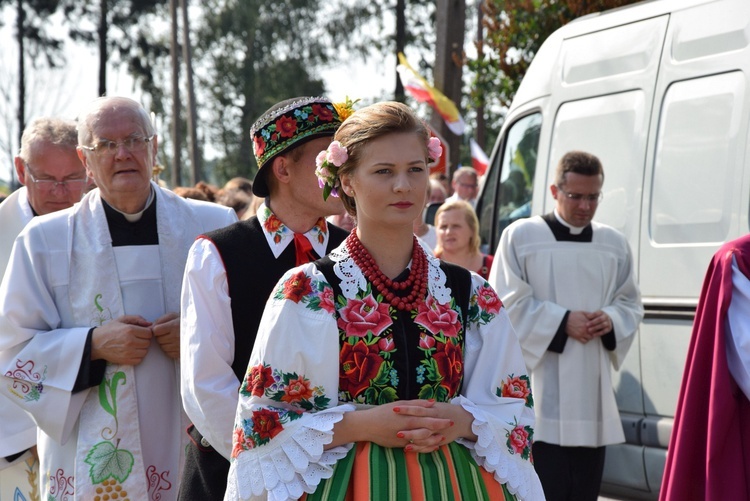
(54, 178)
(89, 319)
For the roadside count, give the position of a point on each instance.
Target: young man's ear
(280, 169)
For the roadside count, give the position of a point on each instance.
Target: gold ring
(411, 441)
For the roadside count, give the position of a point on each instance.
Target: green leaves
(106, 460)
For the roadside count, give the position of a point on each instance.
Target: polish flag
(423, 92)
(479, 159)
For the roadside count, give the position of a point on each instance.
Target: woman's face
(453, 232)
(389, 184)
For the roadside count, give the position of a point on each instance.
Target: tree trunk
(103, 28)
(480, 133)
(400, 45)
(194, 148)
(173, 48)
(450, 29)
(21, 81)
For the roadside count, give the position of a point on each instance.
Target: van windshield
(506, 196)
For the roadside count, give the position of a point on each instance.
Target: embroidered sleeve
(497, 393)
(288, 401)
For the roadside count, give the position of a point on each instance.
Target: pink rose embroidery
(386, 344)
(438, 318)
(518, 439)
(488, 300)
(326, 300)
(361, 316)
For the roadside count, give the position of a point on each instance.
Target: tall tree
(35, 43)
(255, 54)
(449, 53)
(174, 58)
(120, 33)
(187, 56)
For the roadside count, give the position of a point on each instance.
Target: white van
(660, 92)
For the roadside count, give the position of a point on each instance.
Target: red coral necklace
(417, 279)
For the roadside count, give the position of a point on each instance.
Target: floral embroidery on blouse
(299, 287)
(265, 423)
(519, 440)
(367, 371)
(484, 304)
(517, 387)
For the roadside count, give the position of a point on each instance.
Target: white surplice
(65, 277)
(17, 429)
(538, 279)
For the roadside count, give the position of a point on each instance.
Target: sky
(66, 91)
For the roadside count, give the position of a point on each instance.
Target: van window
(698, 160)
(507, 193)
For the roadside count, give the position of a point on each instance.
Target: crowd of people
(312, 332)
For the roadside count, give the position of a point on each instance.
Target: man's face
(54, 177)
(466, 187)
(578, 198)
(122, 173)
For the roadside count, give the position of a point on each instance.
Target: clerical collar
(132, 218)
(574, 230)
(563, 232)
(142, 231)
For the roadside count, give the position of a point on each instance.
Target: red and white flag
(423, 92)
(479, 159)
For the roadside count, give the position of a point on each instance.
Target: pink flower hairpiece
(327, 165)
(434, 148)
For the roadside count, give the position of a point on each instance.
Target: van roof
(537, 82)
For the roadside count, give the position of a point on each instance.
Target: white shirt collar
(279, 236)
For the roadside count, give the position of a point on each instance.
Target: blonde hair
(370, 123)
(471, 219)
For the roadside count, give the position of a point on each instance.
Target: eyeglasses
(51, 184)
(594, 198)
(109, 148)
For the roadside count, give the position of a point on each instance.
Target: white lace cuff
(489, 452)
(292, 464)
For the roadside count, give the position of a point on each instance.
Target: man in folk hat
(231, 272)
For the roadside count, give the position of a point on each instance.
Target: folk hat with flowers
(286, 126)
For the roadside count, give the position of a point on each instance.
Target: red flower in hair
(286, 126)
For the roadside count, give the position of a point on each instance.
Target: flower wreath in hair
(331, 159)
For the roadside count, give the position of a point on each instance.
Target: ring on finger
(411, 440)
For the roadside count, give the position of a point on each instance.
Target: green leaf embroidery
(108, 396)
(106, 461)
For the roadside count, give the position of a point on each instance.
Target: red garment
(709, 450)
(484, 271)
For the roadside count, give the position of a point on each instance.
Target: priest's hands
(584, 326)
(166, 331)
(124, 340)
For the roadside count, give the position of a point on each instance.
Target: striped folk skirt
(373, 472)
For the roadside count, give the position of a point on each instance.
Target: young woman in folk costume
(380, 372)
